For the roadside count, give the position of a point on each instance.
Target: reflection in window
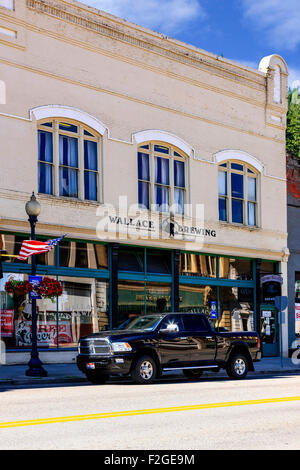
(236, 309)
(131, 259)
(158, 298)
(198, 299)
(197, 265)
(82, 255)
(231, 268)
(159, 261)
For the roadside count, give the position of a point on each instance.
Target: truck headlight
(121, 347)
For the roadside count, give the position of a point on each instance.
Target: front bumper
(111, 365)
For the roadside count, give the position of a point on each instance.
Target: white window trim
(163, 136)
(224, 155)
(67, 112)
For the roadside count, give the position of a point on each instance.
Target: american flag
(34, 247)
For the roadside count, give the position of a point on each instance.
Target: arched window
(238, 193)
(161, 177)
(68, 159)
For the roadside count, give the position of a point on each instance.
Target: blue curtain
(90, 185)
(143, 166)
(143, 195)
(90, 155)
(161, 170)
(68, 151)
(179, 174)
(45, 144)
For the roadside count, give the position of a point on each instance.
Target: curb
(76, 379)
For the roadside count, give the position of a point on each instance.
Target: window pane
(45, 146)
(251, 213)
(82, 255)
(90, 155)
(131, 301)
(179, 200)
(67, 127)
(197, 299)
(236, 309)
(159, 261)
(236, 166)
(179, 174)
(68, 151)
(161, 170)
(90, 185)
(162, 198)
(222, 209)
(88, 133)
(223, 183)
(45, 178)
(68, 184)
(47, 124)
(143, 166)
(237, 185)
(192, 264)
(143, 195)
(161, 149)
(194, 323)
(251, 184)
(231, 268)
(158, 298)
(237, 211)
(131, 259)
(82, 309)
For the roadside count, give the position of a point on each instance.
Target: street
(261, 412)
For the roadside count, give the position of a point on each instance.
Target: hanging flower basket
(49, 288)
(18, 288)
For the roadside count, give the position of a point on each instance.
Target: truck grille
(99, 347)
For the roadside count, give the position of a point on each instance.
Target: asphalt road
(261, 412)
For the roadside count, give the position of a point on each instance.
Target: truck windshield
(145, 323)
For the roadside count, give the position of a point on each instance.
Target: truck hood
(120, 335)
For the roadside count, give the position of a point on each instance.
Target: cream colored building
(72, 77)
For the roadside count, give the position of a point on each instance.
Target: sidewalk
(69, 373)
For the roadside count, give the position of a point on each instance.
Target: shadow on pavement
(117, 381)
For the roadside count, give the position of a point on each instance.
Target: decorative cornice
(99, 22)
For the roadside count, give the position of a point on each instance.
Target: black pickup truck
(154, 343)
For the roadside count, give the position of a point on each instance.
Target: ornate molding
(157, 43)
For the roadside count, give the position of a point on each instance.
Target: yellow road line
(118, 414)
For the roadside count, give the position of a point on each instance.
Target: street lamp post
(33, 209)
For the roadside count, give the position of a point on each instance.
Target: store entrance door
(269, 329)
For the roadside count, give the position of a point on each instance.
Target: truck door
(202, 340)
(173, 345)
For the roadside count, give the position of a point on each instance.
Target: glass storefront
(221, 287)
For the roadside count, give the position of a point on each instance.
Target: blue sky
(241, 30)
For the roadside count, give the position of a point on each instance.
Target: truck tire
(96, 377)
(237, 366)
(144, 371)
(193, 374)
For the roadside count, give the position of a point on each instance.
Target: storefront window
(239, 269)
(11, 244)
(236, 309)
(82, 255)
(159, 261)
(158, 298)
(131, 259)
(82, 309)
(199, 299)
(197, 265)
(131, 300)
(268, 267)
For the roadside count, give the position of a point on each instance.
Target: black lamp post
(33, 209)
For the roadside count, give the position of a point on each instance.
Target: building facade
(163, 164)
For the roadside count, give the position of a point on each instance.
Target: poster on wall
(46, 333)
(7, 323)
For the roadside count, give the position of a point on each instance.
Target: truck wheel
(237, 367)
(192, 373)
(144, 371)
(96, 378)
